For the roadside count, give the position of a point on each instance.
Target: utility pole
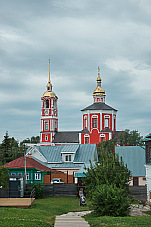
(25, 161)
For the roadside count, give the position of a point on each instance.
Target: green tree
(129, 137)
(111, 172)
(108, 200)
(108, 145)
(35, 139)
(9, 149)
(4, 176)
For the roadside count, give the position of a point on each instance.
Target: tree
(108, 145)
(112, 172)
(9, 149)
(4, 176)
(33, 139)
(129, 137)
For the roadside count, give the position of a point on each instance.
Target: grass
(42, 213)
(118, 221)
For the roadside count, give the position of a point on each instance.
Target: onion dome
(49, 94)
(99, 90)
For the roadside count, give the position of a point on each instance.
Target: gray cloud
(77, 36)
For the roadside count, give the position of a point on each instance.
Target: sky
(77, 36)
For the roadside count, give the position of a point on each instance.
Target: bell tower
(49, 114)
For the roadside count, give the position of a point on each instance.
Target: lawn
(42, 213)
(118, 221)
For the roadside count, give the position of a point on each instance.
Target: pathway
(73, 219)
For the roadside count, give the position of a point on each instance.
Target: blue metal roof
(134, 157)
(83, 153)
(70, 148)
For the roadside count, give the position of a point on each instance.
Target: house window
(94, 122)
(37, 176)
(68, 158)
(20, 174)
(27, 176)
(13, 174)
(47, 103)
(46, 125)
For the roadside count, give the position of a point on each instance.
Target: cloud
(77, 36)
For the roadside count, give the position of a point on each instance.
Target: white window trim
(45, 125)
(105, 118)
(85, 121)
(94, 117)
(37, 176)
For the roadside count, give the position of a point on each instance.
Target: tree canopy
(10, 148)
(4, 176)
(107, 184)
(129, 137)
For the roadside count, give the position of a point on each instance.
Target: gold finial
(49, 71)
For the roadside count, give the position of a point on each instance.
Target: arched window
(47, 104)
(94, 122)
(46, 125)
(46, 137)
(85, 121)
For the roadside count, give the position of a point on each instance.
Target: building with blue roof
(134, 158)
(69, 159)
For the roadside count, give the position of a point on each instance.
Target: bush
(39, 190)
(110, 201)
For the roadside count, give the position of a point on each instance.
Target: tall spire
(49, 71)
(49, 85)
(99, 78)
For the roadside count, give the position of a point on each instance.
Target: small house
(35, 171)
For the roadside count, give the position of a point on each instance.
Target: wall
(62, 175)
(31, 174)
(148, 180)
(141, 182)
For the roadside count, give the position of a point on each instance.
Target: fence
(60, 190)
(139, 192)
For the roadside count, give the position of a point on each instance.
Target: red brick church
(99, 119)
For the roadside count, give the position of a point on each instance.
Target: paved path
(73, 219)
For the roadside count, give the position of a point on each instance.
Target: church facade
(99, 119)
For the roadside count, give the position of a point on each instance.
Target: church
(98, 119)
